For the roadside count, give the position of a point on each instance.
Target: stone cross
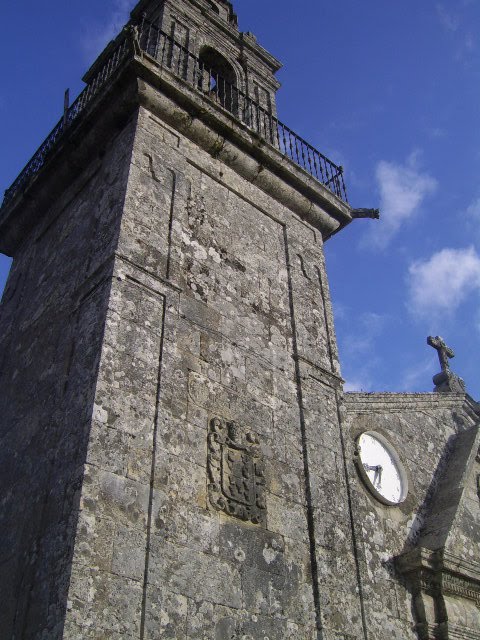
(444, 352)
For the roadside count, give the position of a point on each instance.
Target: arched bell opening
(214, 7)
(218, 79)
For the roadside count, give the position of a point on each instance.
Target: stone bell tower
(172, 463)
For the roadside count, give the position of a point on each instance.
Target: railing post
(142, 23)
(66, 107)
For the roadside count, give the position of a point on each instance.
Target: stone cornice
(457, 633)
(140, 81)
(360, 402)
(460, 586)
(224, 136)
(454, 564)
(439, 572)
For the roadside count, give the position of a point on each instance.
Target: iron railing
(178, 59)
(71, 114)
(172, 55)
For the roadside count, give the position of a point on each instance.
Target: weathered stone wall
(422, 428)
(51, 326)
(177, 452)
(218, 290)
(464, 536)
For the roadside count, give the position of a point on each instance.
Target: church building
(178, 457)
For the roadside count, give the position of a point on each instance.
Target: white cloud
(477, 321)
(437, 132)
(443, 282)
(98, 36)
(403, 188)
(449, 21)
(473, 219)
(457, 22)
(340, 310)
(470, 42)
(359, 351)
(474, 209)
(416, 376)
(368, 326)
(362, 384)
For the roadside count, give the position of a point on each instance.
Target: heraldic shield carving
(236, 472)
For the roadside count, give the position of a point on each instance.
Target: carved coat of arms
(236, 472)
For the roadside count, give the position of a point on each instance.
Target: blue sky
(391, 90)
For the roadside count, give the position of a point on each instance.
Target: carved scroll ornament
(236, 472)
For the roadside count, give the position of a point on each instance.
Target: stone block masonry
(178, 459)
(53, 316)
(199, 328)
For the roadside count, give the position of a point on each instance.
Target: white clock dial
(381, 468)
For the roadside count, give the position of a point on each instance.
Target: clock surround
(381, 469)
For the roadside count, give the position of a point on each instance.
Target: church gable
(435, 437)
(442, 569)
(453, 512)
(464, 536)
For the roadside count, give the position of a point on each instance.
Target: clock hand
(377, 478)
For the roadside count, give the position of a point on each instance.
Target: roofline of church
(360, 401)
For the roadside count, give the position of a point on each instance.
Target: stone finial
(444, 352)
(445, 381)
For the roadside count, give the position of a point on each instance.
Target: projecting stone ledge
(222, 135)
(140, 81)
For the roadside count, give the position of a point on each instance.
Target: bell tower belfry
(172, 460)
(209, 30)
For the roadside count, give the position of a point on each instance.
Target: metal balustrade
(71, 115)
(182, 63)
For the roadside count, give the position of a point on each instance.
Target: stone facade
(178, 455)
(433, 537)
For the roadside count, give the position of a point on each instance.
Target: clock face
(381, 469)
